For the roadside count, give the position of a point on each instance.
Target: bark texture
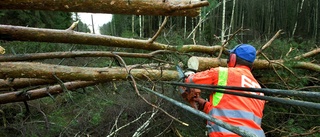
(137, 7)
(12, 84)
(67, 73)
(204, 63)
(8, 32)
(42, 92)
(73, 54)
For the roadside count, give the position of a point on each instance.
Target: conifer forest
(59, 77)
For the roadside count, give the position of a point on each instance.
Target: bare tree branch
(74, 25)
(117, 130)
(308, 54)
(42, 92)
(138, 92)
(159, 30)
(269, 42)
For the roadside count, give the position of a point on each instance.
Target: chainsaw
(188, 93)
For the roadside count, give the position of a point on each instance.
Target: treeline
(298, 20)
(94, 113)
(41, 19)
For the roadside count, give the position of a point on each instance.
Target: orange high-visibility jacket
(245, 113)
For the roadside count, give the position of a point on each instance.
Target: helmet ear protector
(232, 60)
(242, 54)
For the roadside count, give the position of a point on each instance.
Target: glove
(189, 96)
(200, 102)
(189, 72)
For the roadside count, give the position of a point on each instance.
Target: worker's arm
(204, 77)
(203, 105)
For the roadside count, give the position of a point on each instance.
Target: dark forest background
(100, 109)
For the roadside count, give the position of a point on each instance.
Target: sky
(98, 20)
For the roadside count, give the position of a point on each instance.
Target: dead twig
(138, 93)
(159, 30)
(201, 21)
(269, 42)
(226, 42)
(143, 127)
(274, 69)
(74, 25)
(116, 122)
(315, 129)
(160, 134)
(46, 121)
(63, 87)
(308, 54)
(114, 132)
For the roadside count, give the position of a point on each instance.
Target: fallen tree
(35, 79)
(203, 63)
(25, 95)
(71, 54)
(67, 73)
(8, 85)
(17, 33)
(136, 7)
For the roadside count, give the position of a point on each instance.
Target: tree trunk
(67, 73)
(298, 14)
(73, 54)
(42, 92)
(92, 25)
(137, 7)
(204, 63)
(13, 84)
(140, 26)
(317, 24)
(223, 21)
(18, 33)
(132, 24)
(232, 18)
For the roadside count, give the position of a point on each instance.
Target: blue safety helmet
(245, 51)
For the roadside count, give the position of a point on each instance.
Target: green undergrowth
(100, 110)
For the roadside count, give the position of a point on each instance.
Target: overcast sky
(98, 20)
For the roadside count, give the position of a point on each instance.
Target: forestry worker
(243, 112)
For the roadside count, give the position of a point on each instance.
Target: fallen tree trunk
(13, 84)
(67, 73)
(136, 7)
(204, 63)
(9, 33)
(42, 92)
(72, 54)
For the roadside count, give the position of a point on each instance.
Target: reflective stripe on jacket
(245, 113)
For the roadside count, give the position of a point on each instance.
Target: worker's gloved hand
(189, 72)
(189, 94)
(200, 102)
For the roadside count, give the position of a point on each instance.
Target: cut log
(204, 63)
(8, 32)
(137, 7)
